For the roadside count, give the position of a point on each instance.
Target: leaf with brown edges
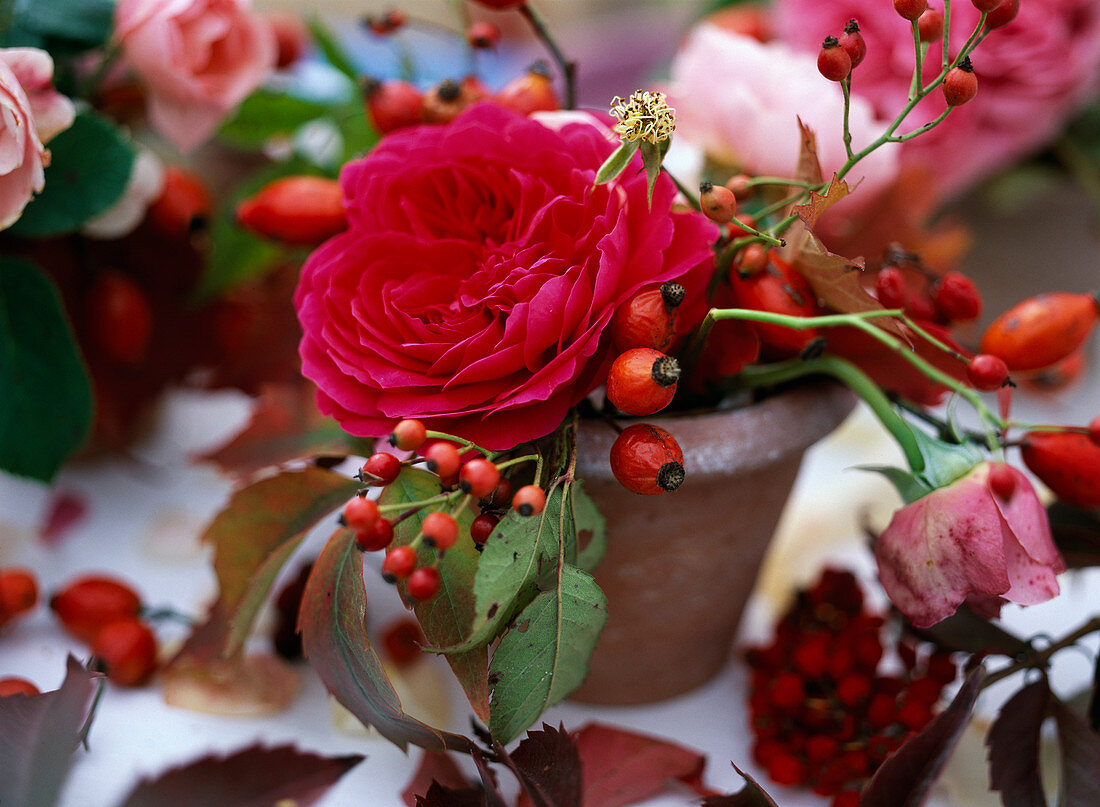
(257, 532)
(253, 776)
(332, 621)
(903, 779)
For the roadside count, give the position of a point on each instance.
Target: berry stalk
(567, 66)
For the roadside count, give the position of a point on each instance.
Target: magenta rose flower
(474, 285)
(1032, 75)
(197, 59)
(32, 112)
(964, 542)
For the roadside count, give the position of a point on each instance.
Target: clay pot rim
(722, 442)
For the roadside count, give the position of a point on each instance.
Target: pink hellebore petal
(964, 541)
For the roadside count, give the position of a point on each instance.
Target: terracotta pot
(680, 567)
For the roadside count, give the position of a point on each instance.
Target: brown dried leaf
(239, 686)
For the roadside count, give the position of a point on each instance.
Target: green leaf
(446, 617)
(652, 155)
(518, 553)
(944, 462)
(359, 136)
(591, 530)
(615, 164)
(87, 22)
(333, 52)
(334, 635)
(46, 403)
(266, 114)
(257, 532)
(89, 168)
(909, 485)
(545, 655)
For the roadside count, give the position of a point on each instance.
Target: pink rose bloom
(479, 273)
(1032, 75)
(197, 58)
(964, 542)
(741, 100)
(32, 112)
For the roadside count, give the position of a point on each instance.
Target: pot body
(680, 567)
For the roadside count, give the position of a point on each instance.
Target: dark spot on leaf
(492, 610)
(523, 626)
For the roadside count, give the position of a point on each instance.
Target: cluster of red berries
(479, 478)
(839, 55)
(822, 713)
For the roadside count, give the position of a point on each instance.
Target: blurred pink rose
(476, 280)
(32, 111)
(740, 100)
(964, 542)
(197, 58)
(1032, 75)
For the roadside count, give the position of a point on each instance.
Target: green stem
(568, 68)
(434, 435)
(945, 59)
(690, 195)
(922, 129)
(846, 87)
(517, 460)
(796, 183)
(856, 380)
(918, 67)
(782, 203)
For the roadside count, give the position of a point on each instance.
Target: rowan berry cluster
(462, 481)
(823, 712)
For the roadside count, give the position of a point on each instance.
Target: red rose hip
(960, 84)
(88, 603)
(647, 460)
(642, 381)
(128, 650)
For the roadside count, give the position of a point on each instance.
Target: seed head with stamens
(643, 116)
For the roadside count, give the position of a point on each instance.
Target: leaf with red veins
(254, 775)
(38, 734)
(904, 779)
(622, 767)
(1013, 742)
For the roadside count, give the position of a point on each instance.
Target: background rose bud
(21, 151)
(197, 58)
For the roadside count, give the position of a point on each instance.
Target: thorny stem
(568, 68)
(1038, 659)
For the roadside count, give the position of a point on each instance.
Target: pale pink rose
(22, 155)
(963, 542)
(741, 100)
(1032, 75)
(197, 58)
(52, 112)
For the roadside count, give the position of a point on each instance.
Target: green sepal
(908, 484)
(615, 164)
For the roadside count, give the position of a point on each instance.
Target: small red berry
(881, 711)
(482, 35)
(423, 584)
(87, 603)
(821, 748)
(853, 43)
(754, 258)
(479, 477)
(985, 6)
(121, 317)
(1002, 15)
(184, 205)
(18, 592)
(942, 668)
(741, 186)
(531, 92)
(361, 513)
(482, 527)
(530, 500)
(987, 373)
(853, 689)
(17, 686)
(647, 460)
(303, 210)
(910, 9)
(377, 537)
(787, 769)
(392, 104)
(930, 25)
(399, 563)
(717, 202)
(915, 715)
(846, 798)
(500, 497)
(960, 84)
(440, 530)
(787, 690)
(128, 650)
(642, 381)
(890, 287)
(648, 318)
(811, 657)
(381, 469)
(408, 435)
(443, 459)
(1094, 430)
(957, 298)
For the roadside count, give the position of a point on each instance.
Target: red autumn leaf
(1080, 748)
(438, 767)
(751, 795)
(903, 779)
(548, 765)
(285, 425)
(1013, 742)
(809, 167)
(252, 777)
(38, 734)
(332, 621)
(439, 795)
(67, 509)
(622, 767)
